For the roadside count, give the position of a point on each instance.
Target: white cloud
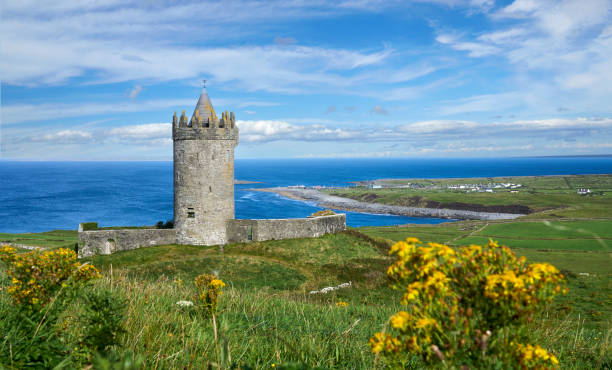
(546, 129)
(505, 36)
(379, 110)
(567, 40)
(18, 113)
(142, 132)
(442, 137)
(65, 136)
(484, 103)
(475, 49)
(136, 90)
(53, 43)
(266, 131)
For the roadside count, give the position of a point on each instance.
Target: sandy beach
(346, 204)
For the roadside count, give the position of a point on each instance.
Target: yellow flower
(400, 320)
(341, 304)
(425, 322)
(554, 360)
(216, 284)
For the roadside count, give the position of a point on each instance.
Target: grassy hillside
(267, 315)
(50, 239)
(296, 265)
(545, 196)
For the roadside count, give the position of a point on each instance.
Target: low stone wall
(260, 230)
(111, 241)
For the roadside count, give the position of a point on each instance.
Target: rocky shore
(346, 204)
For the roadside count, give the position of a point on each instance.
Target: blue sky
(100, 80)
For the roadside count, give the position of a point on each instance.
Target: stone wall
(260, 230)
(111, 241)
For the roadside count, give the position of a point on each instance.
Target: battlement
(204, 124)
(206, 127)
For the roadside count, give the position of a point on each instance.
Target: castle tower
(203, 174)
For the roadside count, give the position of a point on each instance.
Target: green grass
(49, 239)
(328, 260)
(544, 235)
(267, 315)
(547, 196)
(575, 244)
(427, 233)
(551, 229)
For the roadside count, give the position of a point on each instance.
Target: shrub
(326, 212)
(102, 320)
(161, 225)
(209, 289)
(89, 226)
(40, 287)
(36, 277)
(467, 307)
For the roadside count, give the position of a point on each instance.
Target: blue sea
(42, 196)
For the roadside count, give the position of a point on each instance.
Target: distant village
(468, 188)
(480, 188)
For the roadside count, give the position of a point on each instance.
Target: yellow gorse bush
(466, 306)
(35, 277)
(534, 356)
(209, 290)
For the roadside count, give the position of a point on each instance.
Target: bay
(42, 196)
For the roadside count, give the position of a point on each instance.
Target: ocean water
(42, 196)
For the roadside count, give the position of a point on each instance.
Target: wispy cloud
(19, 113)
(135, 91)
(379, 110)
(417, 138)
(569, 39)
(262, 131)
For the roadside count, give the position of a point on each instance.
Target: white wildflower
(332, 288)
(184, 303)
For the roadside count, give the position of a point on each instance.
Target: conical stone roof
(205, 108)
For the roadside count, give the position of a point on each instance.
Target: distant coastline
(347, 204)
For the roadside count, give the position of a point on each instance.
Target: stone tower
(203, 174)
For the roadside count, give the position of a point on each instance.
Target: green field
(50, 239)
(551, 197)
(268, 316)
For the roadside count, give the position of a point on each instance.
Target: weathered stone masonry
(204, 195)
(203, 174)
(110, 241)
(260, 230)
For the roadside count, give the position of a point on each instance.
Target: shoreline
(351, 205)
(365, 182)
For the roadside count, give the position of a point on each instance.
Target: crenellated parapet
(204, 124)
(198, 128)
